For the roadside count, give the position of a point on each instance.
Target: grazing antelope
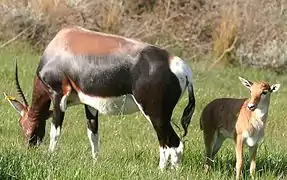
(109, 74)
(240, 119)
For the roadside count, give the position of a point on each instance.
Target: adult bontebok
(109, 74)
(240, 119)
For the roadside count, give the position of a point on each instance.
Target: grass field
(129, 147)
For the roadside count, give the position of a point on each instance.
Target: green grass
(128, 144)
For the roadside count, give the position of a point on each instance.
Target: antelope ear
(18, 106)
(275, 87)
(245, 82)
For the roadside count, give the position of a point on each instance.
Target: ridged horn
(18, 87)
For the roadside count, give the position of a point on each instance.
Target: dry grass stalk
(111, 16)
(15, 37)
(224, 40)
(187, 27)
(219, 59)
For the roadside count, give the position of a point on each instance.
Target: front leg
(252, 153)
(57, 122)
(92, 129)
(239, 156)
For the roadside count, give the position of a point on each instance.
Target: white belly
(110, 105)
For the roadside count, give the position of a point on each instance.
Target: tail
(189, 109)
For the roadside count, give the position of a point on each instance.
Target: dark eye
(264, 92)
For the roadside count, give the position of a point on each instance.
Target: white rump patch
(175, 154)
(110, 105)
(182, 71)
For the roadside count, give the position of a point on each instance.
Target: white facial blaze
(54, 136)
(94, 141)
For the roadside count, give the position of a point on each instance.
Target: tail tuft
(189, 109)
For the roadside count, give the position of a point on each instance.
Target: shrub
(196, 29)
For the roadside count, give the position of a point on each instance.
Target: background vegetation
(242, 32)
(237, 35)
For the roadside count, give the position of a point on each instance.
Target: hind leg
(209, 141)
(158, 109)
(165, 133)
(170, 144)
(218, 141)
(92, 129)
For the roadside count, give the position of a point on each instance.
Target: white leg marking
(54, 136)
(94, 141)
(163, 157)
(176, 155)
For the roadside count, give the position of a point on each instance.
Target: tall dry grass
(194, 29)
(112, 14)
(224, 39)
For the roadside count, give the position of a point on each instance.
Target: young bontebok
(109, 74)
(240, 119)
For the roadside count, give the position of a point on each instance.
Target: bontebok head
(32, 120)
(259, 93)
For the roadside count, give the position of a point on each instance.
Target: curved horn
(18, 88)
